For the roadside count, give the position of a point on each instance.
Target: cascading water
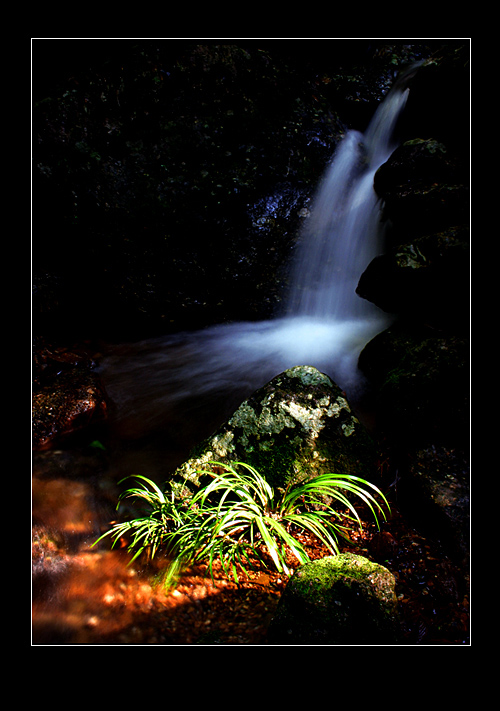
(160, 382)
(343, 234)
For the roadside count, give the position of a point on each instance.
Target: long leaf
(317, 529)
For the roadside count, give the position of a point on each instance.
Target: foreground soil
(90, 596)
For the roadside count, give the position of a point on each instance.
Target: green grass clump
(238, 518)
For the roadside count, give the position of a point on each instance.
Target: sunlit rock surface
(299, 424)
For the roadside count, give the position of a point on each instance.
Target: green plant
(238, 517)
(250, 512)
(165, 526)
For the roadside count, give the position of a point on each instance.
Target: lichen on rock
(297, 425)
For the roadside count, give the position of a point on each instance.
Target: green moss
(344, 599)
(348, 569)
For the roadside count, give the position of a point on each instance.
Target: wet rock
(65, 404)
(439, 101)
(49, 361)
(344, 599)
(425, 279)
(297, 425)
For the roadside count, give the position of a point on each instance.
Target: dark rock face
(419, 368)
(423, 181)
(151, 161)
(344, 599)
(424, 186)
(425, 270)
(424, 275)
(421, 379)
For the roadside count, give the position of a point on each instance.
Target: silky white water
(327, 324)
(343, 233)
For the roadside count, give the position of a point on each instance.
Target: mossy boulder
(343, 599)
(297, 425)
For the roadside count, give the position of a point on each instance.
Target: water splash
(165, 380)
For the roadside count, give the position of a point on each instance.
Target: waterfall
(343, 233)
(326, 319)
(199, 377)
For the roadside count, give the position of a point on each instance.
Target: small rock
(344, 599)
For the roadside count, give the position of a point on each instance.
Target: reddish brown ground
(92, 597)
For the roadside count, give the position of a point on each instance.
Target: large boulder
(344, 599)
(297, 425)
